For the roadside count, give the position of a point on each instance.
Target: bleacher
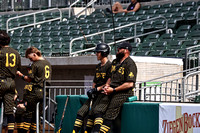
(53, 38)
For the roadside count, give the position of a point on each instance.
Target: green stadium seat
(158, 46)
(65, 50)
(152, 38)
(57, 49)
(167, 6)
(181, 53)
(140, 53)
(145, 46)
(169, 53)
(155, 53)
(183, 28)
(178, 5)
(37, 34)
(158, 24)
(166, 37)
(195, 28)
(172, 24)
(186, 9)
(174, 45)
(191, 17)
(197, 99)
(157, 7)
(194, 35)
(163, 11)
(189, 43)
(146, 7)
(190, 4)
(46, 33)
(181, 36)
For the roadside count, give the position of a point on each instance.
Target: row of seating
(52, 35)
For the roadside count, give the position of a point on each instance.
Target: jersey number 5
(11, 56)
(47, 72)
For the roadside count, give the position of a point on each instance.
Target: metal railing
(1, 119)
(34, 23)
(61, 87)
(120, 27)
(192, 57)
(170, 88)
(198, 15)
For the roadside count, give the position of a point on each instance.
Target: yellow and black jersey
(102, 73)
(10, 62)
(123, 72)
(40, 70)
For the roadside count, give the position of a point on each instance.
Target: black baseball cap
(125, 45)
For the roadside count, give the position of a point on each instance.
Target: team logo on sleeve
(30, 71)
(113, 68)
(131, 75)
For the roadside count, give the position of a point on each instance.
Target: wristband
(114, 90)
(23, 77)
(24, 104)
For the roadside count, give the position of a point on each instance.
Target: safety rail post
(145, 91)
(44, 105)
(37, 118)
(140, 91)
(197, 22)
(1, 120)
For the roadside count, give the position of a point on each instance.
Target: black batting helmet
(103, 48)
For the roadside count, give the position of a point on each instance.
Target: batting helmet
(103, 48)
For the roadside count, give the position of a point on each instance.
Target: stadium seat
(152, 38)
(174, 45)
(167, 6)
(155, 53)
(158, 46)
(183, 28)
(181, 36)
(169, 53)
(146, 46)
(189, 43)
(166, 37)
(194, 35)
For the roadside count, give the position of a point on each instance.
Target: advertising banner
(179, 118)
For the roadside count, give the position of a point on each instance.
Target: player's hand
(19, 73)
(21, 105)
(108, 90)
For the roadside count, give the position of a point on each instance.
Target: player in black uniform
(40, 71)
(123, 78)
(100, 100)
(10, 63)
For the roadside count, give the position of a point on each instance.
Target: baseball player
(40, 71)
(122, 81)
(99, 101)
(10, 63)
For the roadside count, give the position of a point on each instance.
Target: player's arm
(24, 77)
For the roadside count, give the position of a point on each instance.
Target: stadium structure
(165, 38)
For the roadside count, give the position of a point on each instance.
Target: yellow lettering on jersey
(131, 75)
(113, 68)
(103, 75)
(47, 72)
(121, 70)
(13, 60)
(98, 75)
(28, 87)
